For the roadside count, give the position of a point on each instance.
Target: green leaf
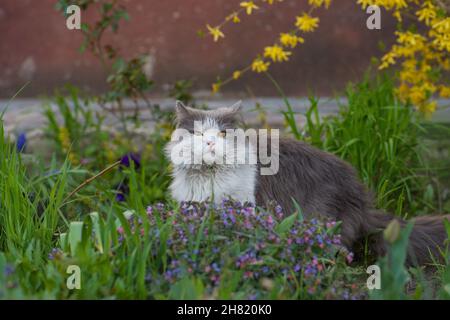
(298, 210)
(63, 240)
(75, 235)
(286, 224)
(187, 289)
(95, 222)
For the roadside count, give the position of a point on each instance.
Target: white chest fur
(237, 182)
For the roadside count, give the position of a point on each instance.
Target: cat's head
(220, 119)
(201, 136)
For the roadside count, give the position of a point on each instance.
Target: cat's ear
(182, 112)
(236, 108)
(181, 109)
(231, 116)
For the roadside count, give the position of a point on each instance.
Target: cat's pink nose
(210, 143)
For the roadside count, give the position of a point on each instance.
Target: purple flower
(54, 253)
(9, 270)
(349, 257)
(279, 210)
(346, 295)
(120, 197)
(128, 158)
(21, 142)
(122, 191)
(258, 250)
(215, 267)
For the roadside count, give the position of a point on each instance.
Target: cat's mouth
(205, 168)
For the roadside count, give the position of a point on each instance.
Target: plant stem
(88, 181)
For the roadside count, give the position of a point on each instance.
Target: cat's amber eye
(222, 133)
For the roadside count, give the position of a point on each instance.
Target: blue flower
(215, 267)
(121, 192)
(120, 197)
(131, 157)
(54, 253)
(252, 297)
(21, 142)
(9, 270)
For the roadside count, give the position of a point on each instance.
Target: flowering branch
(424, 56)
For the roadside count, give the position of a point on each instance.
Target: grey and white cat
(209, 180)
(321, 183)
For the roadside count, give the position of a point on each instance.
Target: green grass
(30, 208)
(378, 135)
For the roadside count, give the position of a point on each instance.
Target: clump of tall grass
(378, 135)
(29, 207)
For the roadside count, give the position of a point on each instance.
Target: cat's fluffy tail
(426, 241)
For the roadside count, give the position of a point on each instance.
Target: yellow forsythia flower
(426, 14)
(365, 3)
(307, 23)
(388, 58)
(276, 53)
(237, 74)
(259, 65)
(249, 6)
(215, 32)
(442, 26)
(290, 40)
(216, 87)
(444, 92)
(428, 108)
(272, 1)
(319, 3)
(233, 17)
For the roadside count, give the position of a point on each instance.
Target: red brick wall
(35, 45)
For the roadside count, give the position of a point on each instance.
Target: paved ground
(26, 115)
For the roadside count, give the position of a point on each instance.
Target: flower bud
(392, 231)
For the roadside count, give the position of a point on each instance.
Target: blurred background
(37, 47)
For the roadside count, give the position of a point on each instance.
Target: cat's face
(203, 137)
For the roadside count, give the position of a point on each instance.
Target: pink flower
(349, 257)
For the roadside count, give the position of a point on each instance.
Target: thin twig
(88, 181)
